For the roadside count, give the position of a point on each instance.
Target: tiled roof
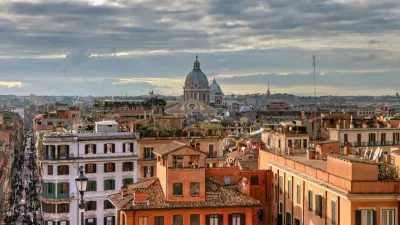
(172, 147)
(168, 148)
(248, 164)
(216, 196)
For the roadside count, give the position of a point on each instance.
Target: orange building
(212, 146)
(340, 190)
(182, 194)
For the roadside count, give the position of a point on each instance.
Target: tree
(388, 172)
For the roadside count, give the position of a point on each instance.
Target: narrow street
(24, 200)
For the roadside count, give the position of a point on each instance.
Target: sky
(119, 47)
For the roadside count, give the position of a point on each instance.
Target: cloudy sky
(118, 47)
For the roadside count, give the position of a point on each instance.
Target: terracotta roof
(216, 196)
(248, 164)
(172, 147)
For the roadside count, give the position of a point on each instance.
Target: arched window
(218, 101)
(204, 96)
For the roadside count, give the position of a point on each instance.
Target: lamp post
(81, 183)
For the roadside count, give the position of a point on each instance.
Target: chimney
(124, 190)
(192, 143)
(198, 144)
(389, 125)
(140, 196)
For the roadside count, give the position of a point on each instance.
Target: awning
(257, 131)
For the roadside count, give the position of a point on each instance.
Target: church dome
(196, 78)
(215, 88)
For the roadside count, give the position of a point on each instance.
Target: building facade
(182, 194)
(109, 160)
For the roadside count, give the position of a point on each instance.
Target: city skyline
(112, 47)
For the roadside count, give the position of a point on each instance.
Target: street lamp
(81, 183)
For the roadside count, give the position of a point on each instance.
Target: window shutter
(58, 170)
(94, 168)
(94, 185)
(358, 217)
(322, 206)
(229, 219)
(207, 219)
(152, 171)
(113, 184)
(105, 167)
(95, 208)
(243, 219)
(374, 217)
(95, 219)
(86, 149)
(105, 148)
(45, 190)
(86, 168)
(105, 185)
(58, 150)
(220, 219)
(113, 148)
(67, 221)
(131, 147)
(113, 167)
(94, 148)
(58, 222)
(113, 220)
(105, 218)
(123, 147)
(67, 168)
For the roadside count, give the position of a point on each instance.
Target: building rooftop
(107, 122)
(216, 196)
(172, 147)
(248, 164)
(302, 158)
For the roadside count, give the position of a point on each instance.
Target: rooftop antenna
(315, 108)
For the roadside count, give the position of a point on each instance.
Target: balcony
(59, 195)
(213, 155)
(370, 144)
(58, 157)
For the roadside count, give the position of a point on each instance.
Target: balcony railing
(59, 195)
(212, 155)
(58, 157)
(370, 143)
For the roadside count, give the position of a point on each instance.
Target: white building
(109, 160)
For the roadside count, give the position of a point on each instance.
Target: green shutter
(67, 194)
(94, 186)
(113, 185)
(45, 190)
(53, 185)
(105, 185)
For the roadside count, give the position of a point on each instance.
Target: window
(109, 184)
(310, 197)
(177, 188)
(304, 143)
(346, 138)
(177, 220)
(143, 220)
(108, 205)
(236, 219)
(90, 168)
(109, 148)
(49, 190)
(297, 221)
(383, 138)
(127, 181)
(280, 207)
(63, 188)
(194, 219)
(228, 180)
(319, 200)
(63, 208)
(298, 196)
(254, 180)
(371, 138)
(63, 170)
(91, 185)
(109, 167)
(158, 220)
(127, 147)
(288, 219)
(127, 166)
(211, 150)
(194, 189)
(90, 149)
(148, 171)
(48, 208)
(333, 212)
(388, 217)
(359, 138)
(365, 217)
(90, 206)
(289, 189)
(148, 153)
(50, 170)
(276, 193)
(280, 184)
(214, 219)
(110, 220)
